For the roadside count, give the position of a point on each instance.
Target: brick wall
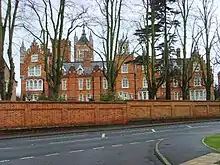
(37, 114)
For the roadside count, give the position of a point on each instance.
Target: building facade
(83, 79)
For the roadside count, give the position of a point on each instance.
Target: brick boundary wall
(44, 114)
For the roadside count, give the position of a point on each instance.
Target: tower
(90, 38)
(22, 52)
(75, 39)
(83, 48)
(123, 46)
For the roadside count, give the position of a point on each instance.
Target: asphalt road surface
(118, 147)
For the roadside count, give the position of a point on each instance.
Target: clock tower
(83, 48)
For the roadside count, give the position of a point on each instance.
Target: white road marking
(148, 141)
(3, 161)
(73, 141)
(98, 148)
(29, 157)
(135, 143)
(202, 126)
(141, 133)
(54, 154)
(166, 130)
(153, 130)
(54, 138)
(6, 148)
(76, 151)
(117, 145)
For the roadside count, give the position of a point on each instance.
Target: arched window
(35, 84)
(125, 83)
(40, 84)
(27, 85)
(31, 84)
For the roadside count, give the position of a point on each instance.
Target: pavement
(126, 146)
(208, 159)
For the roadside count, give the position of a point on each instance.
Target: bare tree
(112, 53)
(185, 7)
(7, 21)
(209, 35)
(51, 22)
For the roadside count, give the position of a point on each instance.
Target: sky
(128, 28)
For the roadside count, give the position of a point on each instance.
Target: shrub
(45, 98)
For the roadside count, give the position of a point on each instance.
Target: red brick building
(83, 79)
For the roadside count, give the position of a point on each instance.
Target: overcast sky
(131, 14)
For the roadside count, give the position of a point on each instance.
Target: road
(118, 147)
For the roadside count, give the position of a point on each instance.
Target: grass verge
(213, 142)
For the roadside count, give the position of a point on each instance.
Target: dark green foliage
(45, 98)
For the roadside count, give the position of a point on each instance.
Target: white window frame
(64, 85)
(176, 96)
(143, 95)
(197, 81)
(88, 96)
(31, 71)
(145, 84)
(191, 95)
(80, 84)
(81, 97)
(124, 68)
(105, 83)
(34, 58)
(34, 85)
(37, 70)
(34, 71)
(125, 83)
(64, 96)
(125, 96)
(40, 84)
(27, 85)
(88, 84)
(31, 85)
(6, 86)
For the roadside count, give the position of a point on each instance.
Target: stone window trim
(34, 85)
(105, 83)
(125, 83)
(80, 84)
(34, 71)
(81, 97)
(34, 58)
(197, 81)
(124, 68)
(88, 84)
(64, 85)
(145, 85)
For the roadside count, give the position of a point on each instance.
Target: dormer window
(34, 58)
(80, 70)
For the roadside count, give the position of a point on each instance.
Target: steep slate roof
(87, 70)
(83, 39)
